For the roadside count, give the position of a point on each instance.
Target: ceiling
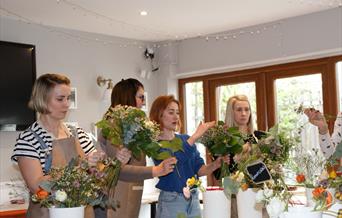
(166, 19)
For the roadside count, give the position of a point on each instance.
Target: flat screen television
(17, 76)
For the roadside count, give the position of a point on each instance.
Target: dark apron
(63, 150)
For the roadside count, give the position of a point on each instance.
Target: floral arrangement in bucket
(129, 126)
(270, 150)
(77, 184)
(331, 177)
(276, 202)
(323, 198)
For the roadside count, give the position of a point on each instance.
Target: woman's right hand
(165, 167)
(123, 155)
(201, 129)
(317, 119)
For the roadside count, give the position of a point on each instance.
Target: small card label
(258, 172)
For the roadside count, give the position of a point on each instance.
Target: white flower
(268, 193)
(275, 207)
(260, 196)
(60, 196)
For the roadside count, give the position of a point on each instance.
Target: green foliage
(221, 141)
(129, 126)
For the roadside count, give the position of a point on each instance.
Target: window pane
(193, 105)
(339, 84)
(226, 91)
(290, 94)
(194, 108)
(295, 91)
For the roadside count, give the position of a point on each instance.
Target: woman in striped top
(49, 142)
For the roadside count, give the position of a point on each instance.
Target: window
(274, 92)
(292, 92)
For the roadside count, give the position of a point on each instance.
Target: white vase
(216, 204)
(309, 199)
(246, 205)
(74, 212)
(301, 212)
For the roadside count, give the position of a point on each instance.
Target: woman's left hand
(123, 155)
(95, 156)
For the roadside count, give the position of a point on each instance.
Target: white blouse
(327, 143)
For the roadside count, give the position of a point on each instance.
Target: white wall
(303, 37)
(82, 62)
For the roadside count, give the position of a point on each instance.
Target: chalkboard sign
(258, 172)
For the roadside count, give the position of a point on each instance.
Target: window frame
(264, 78)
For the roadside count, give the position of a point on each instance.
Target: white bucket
(246, 205)
(74, 212)
(309, 199)
(216, 204)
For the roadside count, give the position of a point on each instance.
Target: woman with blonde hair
(238, 114)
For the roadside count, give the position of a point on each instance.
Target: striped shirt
(28, 146)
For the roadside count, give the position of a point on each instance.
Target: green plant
(129, 127)
(220, 141)
(74, 185)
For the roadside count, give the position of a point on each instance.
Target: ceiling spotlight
(143, 13)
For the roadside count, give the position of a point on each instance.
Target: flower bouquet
(74, 185)
(221, 141)
(322, 197)
(191, 186)
(129, 126)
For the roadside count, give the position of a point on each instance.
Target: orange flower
(317, 192)
(244, 186)
(300, 178)
(42, 194)
(328, 199)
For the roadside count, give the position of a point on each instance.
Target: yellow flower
(332, 174)
(190, 182)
